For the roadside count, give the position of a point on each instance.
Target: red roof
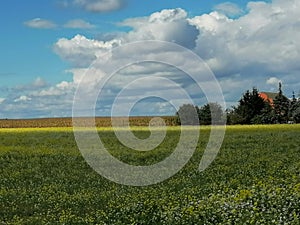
(268, 96)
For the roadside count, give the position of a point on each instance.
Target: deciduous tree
(188, 115)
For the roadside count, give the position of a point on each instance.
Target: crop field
(67, 122)
(255, 179)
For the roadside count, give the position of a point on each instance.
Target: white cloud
(167, 25)
(229, 9)
(100, 5)
(92, 75)
(168, 15)
(39, 23)
(79, 24)
(211, 23)
(39, 82)
(22, 98)
(37, 99)
(242, 52)
(52, 91)
(81, 51)
(63, 85)
(61, 89)
(254, 45)
(258, 43)
(2, 100)
(273, 81)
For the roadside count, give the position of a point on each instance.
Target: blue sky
(46, 46)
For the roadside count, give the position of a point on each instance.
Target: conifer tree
(281, 106)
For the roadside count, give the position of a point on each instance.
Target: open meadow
(255, 179)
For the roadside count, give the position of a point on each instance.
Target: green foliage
(294, 113)
(250, 106)
(281, 107)
(205, 115)
(209, 111)
(252, 109)
(254, 180)
(266, 116)
(193, 115)
(188, 115)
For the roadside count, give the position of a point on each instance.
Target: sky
(50, 49)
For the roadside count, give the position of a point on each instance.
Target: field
(67, 122)
(255, 179)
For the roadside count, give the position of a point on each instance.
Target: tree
(232, 116)
(281, 106)
(204, 115)
(188, 115)
(266, 116)
(250, 106)
(294, 112)
(209, 111)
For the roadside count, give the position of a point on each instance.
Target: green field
(255, 179)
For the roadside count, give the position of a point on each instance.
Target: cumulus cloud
(258, 43)
(79, 24)
(54, 101)
(167, 25)
(273, 81)
(81, 51)
(229, 9)
(242, 51)
(39, 23)
(168, 15)
(99, 5)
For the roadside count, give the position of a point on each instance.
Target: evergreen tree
(294, 112)
(267, 115)
(281, 106)
(250, 106)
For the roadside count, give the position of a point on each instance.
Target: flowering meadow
(255, 179)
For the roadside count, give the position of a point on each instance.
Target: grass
(255, 179)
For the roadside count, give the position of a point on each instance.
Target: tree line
(251, 109)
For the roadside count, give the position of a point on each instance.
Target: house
(268, 97)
